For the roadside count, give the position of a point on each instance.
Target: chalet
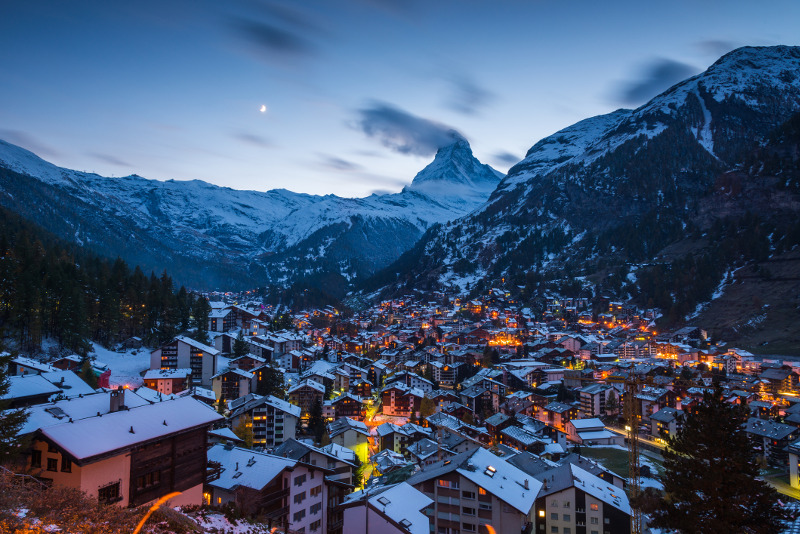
(557, 414)
(771, 439)
(574, 500)
(70, 384)
(666, 422)
(19, 366)
(167, 381)
(401, 400)
(231, 384)
(186, 353)
(351, 434)
(305, 394)
(286, 493)
(341, 462)
(391, 509)
(594, 398)
(477, 488)
(652, 399)
(779, 379)
(134, 456)
(348, 405)
(25, 390)
(274, 420)
(68, 363)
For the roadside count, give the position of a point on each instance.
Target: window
(299, 515)
(481, 491)
(316, 491)
(606, 520)
(468, 494)
(593, 521)
(150, 480)
(554, 516)
(466, 510)
(315, 508)
(36, 458)
(316, 524)
(567, 517)
(51, 448)
(567, 530)
(299, 480)
(554, 529)
(594, 507)
(554, 504)
(485, 506)
(468, 527)
(109, 494)
(52, 464)
(566, 504)
(447, 484)
(300, 497)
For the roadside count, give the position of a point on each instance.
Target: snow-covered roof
(343, 424)
(196, 344)
(70, 384)
(313, 384)
(22, 387)
(124, 429)
(246, 467)
(598, 434)
(587, 424)
(403, 504)
(154, 374)
(225, 433)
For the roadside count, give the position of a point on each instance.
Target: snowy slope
(204, 220)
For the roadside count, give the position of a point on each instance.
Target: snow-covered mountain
(614, 188)
(216, 236)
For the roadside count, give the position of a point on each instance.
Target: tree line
(59, 291)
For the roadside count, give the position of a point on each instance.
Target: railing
(277, 513)
(271, 498)
(213, 471)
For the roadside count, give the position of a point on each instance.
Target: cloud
(29, 142)
(467, 96)
(403, 132)
(716, 47)
(113, 160)
(506, 158)
(381, 192)
(338, 164)
(657, 76)
(253, 139)
(275, 41)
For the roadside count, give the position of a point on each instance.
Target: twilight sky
(358, 93)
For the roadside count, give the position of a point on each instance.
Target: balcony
(274, 497)
(277, 514)
(213, 471)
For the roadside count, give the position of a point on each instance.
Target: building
(167, 381)
(572, 500)
(186, 353)
(231, 384)
(351, 434)
(474, 489)
(129, 456)
(305, 394)
(392, 509)
(286, 493)
(274, 420)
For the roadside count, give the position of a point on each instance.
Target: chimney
(117, 400)
(526, 485)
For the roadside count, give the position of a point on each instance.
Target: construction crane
(632, 385)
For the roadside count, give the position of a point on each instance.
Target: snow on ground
(217, 523)
(126, 367)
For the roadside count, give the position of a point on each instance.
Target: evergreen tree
(612, 403)
(239, 345)
(244, 430)
(270, 382)
(12, 420)
(87, 374)
(316, 425)
(200, 313)
(711, 482)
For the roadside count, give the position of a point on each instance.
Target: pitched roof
(246, 467)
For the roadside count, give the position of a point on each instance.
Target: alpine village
(606, 341)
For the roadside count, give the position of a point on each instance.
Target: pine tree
(316, 424)
(239, 345)
(710, 479)
(244, 430)
(12, 420)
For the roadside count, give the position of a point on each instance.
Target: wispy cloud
(29, 142)
(651, 79)
(253, 139)
(716, 47)
(108, 158)
(338, 164)
(506, 158)
(467, 96)
(403, 132)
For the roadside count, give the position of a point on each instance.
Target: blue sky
(359, 93)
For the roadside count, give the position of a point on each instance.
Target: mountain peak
(455, 165)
